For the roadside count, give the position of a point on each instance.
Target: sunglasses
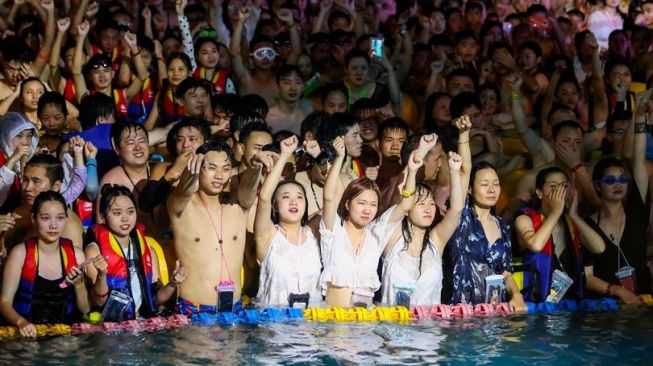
(611, 179)
(100, 65)
(265, 53)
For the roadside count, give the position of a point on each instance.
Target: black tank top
(49, 301)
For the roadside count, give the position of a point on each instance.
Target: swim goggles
(207, 33)
(265, 53)
(611, 179)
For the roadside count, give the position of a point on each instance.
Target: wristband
(516, 96)
(42, 57)
(407, 194)
(600, 125)
(640, 127)
(134, 54)
(577, 167)
(608, 291)
(463, 142)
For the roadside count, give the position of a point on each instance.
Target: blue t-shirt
(100, 136)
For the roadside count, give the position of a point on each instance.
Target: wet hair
(14, 49)
(256, 102)
(335, 15)
(613, 62)
(334, 88)
(462, 101)
(260, 39)
(242, 118)
(338, 124)
(186, 122)
(464, 73)
(604, 164)
(53, 168)
(353, 190)
(543, 174)
(288, 70)
(356, 53)
(230, 104)
(118, 128)
(567, 77)
(533, 46)
(535, 9)
(440, 40)
(274, 215)
(216, 145)
(250, 128)
(199, 42)
(566, 124)
(495, 46)
(183, 58)
(422, 191)
(579, 39)
(474, 5)
(411, 143)
(54, 99)
(281, 135)
(94, 106)
(190, 83)
(30, 79)
(558, 107)
(48, 196)
(393, 123)
(365, 104)
(96, 60)
(576, 12)
(487, 27)
(313, 123)
(492, 87)
(482, 165)
(109, 193)
(147, 44)
(462, 36)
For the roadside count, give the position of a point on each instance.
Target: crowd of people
(181, 156)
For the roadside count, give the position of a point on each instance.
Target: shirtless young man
(207, 224)
(42, 173)
(130, 142)
(290, 109)
(261, 80)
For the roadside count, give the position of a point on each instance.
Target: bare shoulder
(159, 170)
(523, 222)
(114, 176)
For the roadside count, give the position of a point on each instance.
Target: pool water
(618, 338)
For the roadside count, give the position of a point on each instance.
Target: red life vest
(69, 92)
(219, 79)
(23, 298)
(170, 110)
(120, 101)
(118, 271)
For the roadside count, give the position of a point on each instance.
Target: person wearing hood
(18, 140)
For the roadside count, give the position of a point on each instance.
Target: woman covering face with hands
(552, 234)
(285, 246)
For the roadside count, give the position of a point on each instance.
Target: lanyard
(219, 236)
(617, 241)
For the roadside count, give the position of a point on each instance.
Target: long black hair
(423, 191)
(274, 215)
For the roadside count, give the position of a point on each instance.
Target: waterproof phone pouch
(114, 308)
(299, 301)
(495, 289)
(560, 283)
(403, 293)
(362, 299)
(225, 302)
(626, 277)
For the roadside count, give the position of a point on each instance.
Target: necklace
(616, 235)
(317, 203)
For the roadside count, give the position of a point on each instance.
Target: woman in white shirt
(412, 265)
(350, 237)
(285, 246)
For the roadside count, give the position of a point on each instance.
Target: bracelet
(42, 57)
(463, 142)
(608, 291)
(516, 96)
(577, 167)
(134, 54)
(640, 127)
(407, 194)
(600, 125)
(99, 296)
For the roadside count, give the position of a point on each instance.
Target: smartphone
(507, 29)
(376, 47)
